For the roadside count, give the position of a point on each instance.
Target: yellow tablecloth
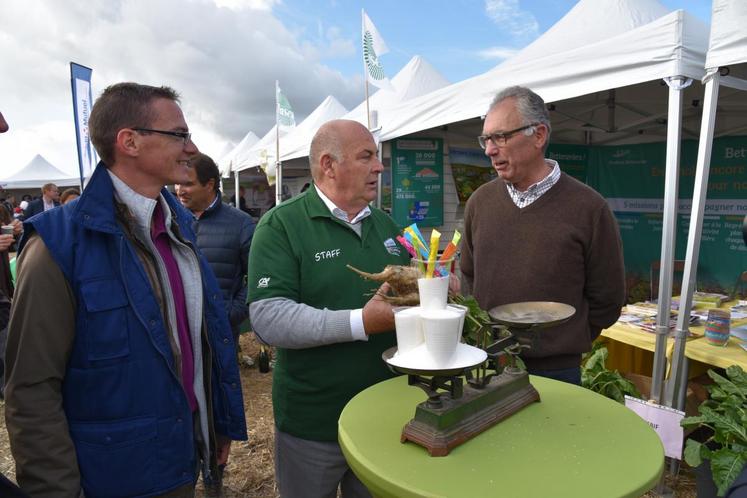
(731, 354)
(635, 353)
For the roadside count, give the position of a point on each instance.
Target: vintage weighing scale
(457, 411)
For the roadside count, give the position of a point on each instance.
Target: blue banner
(80, 81)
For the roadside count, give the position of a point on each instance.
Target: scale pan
(419, 362)
(534, 314)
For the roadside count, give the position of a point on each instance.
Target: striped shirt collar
(339, 213)
(535, 191)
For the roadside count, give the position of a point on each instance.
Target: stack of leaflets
(643, 316)
(709, 299)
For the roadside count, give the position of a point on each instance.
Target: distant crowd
(28, 206)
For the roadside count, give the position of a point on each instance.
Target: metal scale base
(439, 429)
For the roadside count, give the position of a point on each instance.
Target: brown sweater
(564, 247)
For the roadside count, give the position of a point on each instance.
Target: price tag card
(664, 420)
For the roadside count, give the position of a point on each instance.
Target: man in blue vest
(122, 377)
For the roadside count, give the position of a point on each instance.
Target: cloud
(497, 53)
(224, 61)
(508, 15)
(246, 4)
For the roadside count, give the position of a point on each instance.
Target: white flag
(284, 112)
(373, 48)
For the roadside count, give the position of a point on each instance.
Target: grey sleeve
(287, 324)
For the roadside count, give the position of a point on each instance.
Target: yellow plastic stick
(433, 254)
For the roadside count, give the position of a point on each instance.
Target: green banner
(632, 178)
(572, 159)
(418, 182)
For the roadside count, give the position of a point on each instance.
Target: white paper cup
(433, 293)
(408, 328)
(462, 310)
(6, 230)
(441, 330)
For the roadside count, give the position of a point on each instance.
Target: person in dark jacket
(50, 199)
(122, 377)
(224, 234)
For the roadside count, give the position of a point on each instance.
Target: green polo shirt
(300, 251)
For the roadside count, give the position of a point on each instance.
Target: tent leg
(668, 235)
(677, 384)
(236, 188)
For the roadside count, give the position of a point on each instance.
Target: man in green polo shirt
(329, 335)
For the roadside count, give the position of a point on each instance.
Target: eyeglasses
(501, 138)
(184, 135)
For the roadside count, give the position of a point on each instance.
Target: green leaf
(692, 452)
(728, 388)
(725, 466)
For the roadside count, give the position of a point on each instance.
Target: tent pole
(677, 382)
(237, 186)
(668, 233)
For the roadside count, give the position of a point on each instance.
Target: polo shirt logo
(263, 282)
(392, 247)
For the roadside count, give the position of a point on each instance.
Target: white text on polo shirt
(327, 254)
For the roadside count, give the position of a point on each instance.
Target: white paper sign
(664, 420)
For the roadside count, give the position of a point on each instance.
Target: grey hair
(530, 105)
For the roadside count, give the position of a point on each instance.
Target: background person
(224, 235)
(304, 301)
(50, 199)
(537, 234)
(69, 195)
(127, 383)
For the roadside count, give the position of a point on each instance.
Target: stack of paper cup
(717, 327)
(441, 330)
(408, 328)
(434, 322)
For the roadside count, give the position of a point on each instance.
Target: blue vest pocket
(116, 458)
(106, 314)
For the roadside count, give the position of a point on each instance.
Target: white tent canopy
(418, 77)
(728, 40)
(656, 47)
(296, 142)
(227, 163)
(415, 78)
(255, 155)
(36, 173)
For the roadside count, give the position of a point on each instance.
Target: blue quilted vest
(127, 413)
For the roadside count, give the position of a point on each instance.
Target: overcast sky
(224, 56)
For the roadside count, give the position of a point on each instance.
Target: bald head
(330, 140)
(3, 124)
(345, 165)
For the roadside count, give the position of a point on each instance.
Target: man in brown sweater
(537, 234)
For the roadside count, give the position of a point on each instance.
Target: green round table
(574, 443)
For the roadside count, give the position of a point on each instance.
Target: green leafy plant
(476, 322)
(725, 414)
(609, 383)
(478, 330)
